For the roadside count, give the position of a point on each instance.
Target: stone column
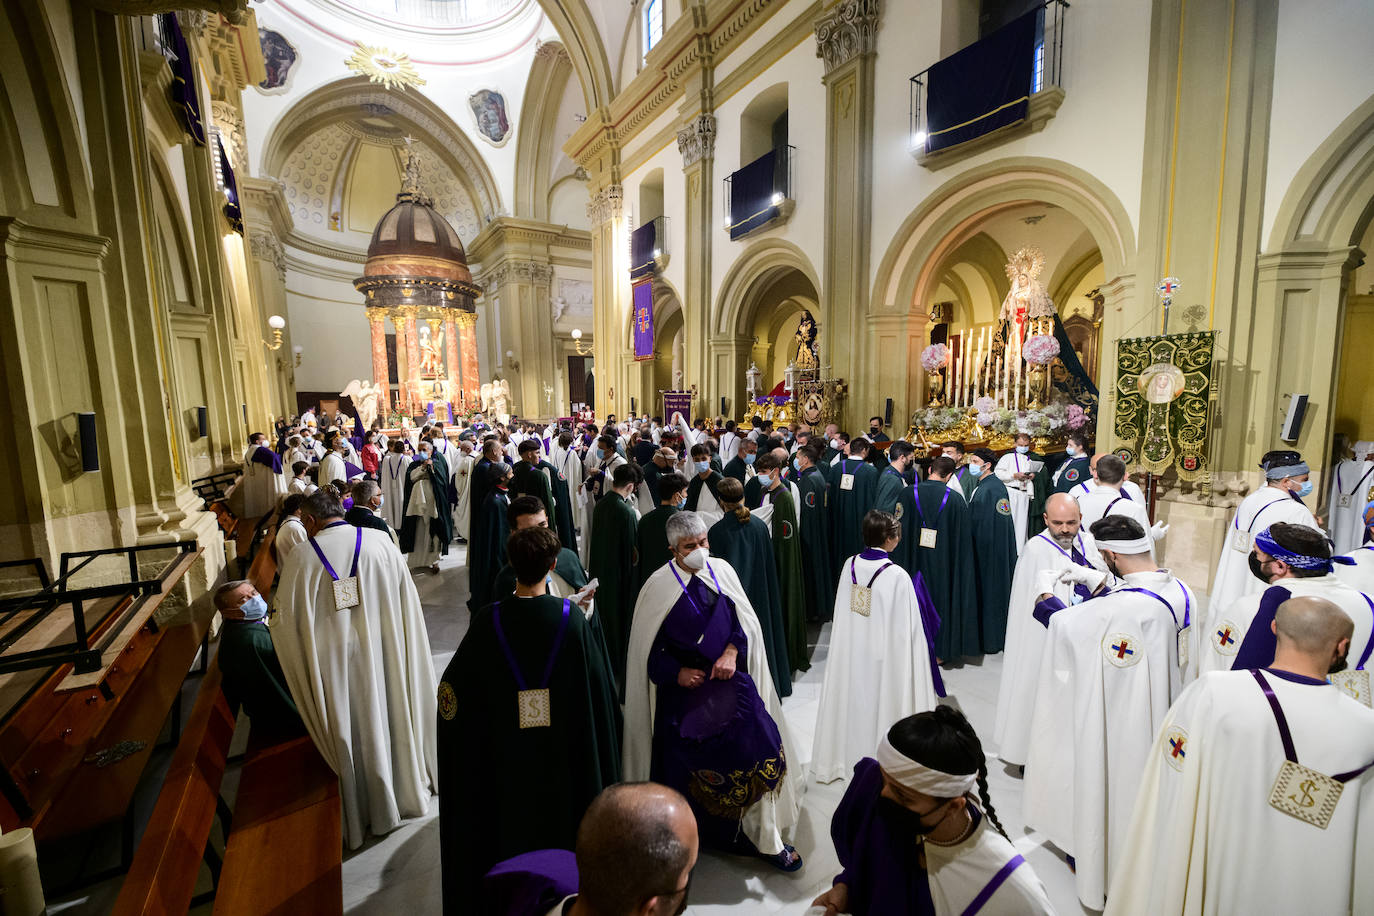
(412, 376)
(451, 357)
(611, 306)
(846, 39)
(405, 334)
(376, 319)
(471, 373)
(696, 142)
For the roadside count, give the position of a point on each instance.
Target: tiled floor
(399, 873)
(402, 869)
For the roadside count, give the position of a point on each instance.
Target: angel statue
(496, 399)
(365, 396)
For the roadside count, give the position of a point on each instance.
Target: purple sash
(510, 656)
(1289, 751)
(930, 620)
(268, 458)
(916, 498)
(1075, 555)
(997, 881)
(716, 635)
(1187, 604)
(357, 549)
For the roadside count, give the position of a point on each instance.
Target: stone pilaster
(611, 306)
(696, 142)
(846, 37)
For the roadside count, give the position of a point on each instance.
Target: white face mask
(696, 559)
(381, 501)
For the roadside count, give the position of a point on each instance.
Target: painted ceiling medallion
(382, 65)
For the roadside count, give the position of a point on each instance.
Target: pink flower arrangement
(985, 404)
(935, 357)
(1076, 417)
(1041, 349)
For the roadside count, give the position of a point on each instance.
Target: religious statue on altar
(365, 396)
(1027, 310)
(496, 398)
(431, 351)
(807, 357)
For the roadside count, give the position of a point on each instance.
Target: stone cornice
(848, 31)
(267, 248)
(690, 45)
(517, 270)
(524, 234)
(295, 239)
(233, 10)
(265, 203)
(58, 242)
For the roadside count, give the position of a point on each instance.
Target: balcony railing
(760, 193)
(991, 84)
(649, 248)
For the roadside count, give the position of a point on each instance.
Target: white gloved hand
(1158, 530)
(1083, 575)
(1046, 582)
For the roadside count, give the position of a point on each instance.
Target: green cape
(746, 547)
(504, 790)
(253, 678)
(947, 568)
(528, 480)
(487, 548)
(787, 553)
(819, 567)
(441, 526)
(614, 563)
(848, 508)
(994, 552)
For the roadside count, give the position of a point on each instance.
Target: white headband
(1142, 544)
(922, 779)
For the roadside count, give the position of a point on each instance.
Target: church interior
(1147, 223)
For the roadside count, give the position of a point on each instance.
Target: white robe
(1128, 486)
(1019, 492)
(290, 535)
(1360, 576)
(391, 474)
(263, 488)
(301, 486)
(877, 671)
(1226, 628)
(765, 821)
(1256, 512)
(1351, 483)
(1109, 674)
(1025, 643)
(462, 490)
(1095, 502)
(708, 507)
(1203, 838)
(332, 469)
(427, 547)
(729, 447)
(958, 874)
(765, 512)
(362, 678)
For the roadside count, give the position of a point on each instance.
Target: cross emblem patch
(1227, 638)
(1174, 747)
(1120, 649)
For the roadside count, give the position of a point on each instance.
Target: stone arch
(40, 140)
(354, 97)
(1331, 198)
(536, 138)
(945, 219)
(754, 271)
(576, 26)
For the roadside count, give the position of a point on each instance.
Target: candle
(997, 380)
(968, 368)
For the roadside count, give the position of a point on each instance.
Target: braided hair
(943, 740)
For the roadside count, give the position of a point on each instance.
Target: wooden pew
(285, 837)
(163, 876)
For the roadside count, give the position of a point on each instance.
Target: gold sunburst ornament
(382, 65)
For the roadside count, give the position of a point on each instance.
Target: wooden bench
(284, 852)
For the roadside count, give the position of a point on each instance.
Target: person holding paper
(1017, 470)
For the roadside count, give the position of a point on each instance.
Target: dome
(415, 257)
(412, 239)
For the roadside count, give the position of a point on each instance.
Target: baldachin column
(376, 318)
(467, 331)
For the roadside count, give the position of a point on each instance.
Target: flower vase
(1039, 379)
(935, 384)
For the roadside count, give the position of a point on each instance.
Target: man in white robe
(878, 669)
(1217, 829)
(262, 483)
(1128, 486)
(565, 459)
(1359, 573)
(1107, 495)
(462, 487)
(421, 503)
(361, 675)
(1296, 561)
(1018, 472)
(1352, 481)
(1279, 501)
(1110, 671)
(764, 823)
(334, 465)
(1061, 545)
(392, 477)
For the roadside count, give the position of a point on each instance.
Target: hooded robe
(746, 546)
(614, 565)
(852, 486)
(814, 515)
(787, 555)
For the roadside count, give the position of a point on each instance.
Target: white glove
(1046, 582)
(1083, 575)
(1158, 530)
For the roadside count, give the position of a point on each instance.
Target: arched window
(653, 24)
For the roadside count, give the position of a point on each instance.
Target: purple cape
(878, 855)
(265, 456)
(529, 884)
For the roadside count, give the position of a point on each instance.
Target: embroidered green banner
(1163, 396)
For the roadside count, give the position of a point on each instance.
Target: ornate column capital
(532, 271)
(229, 121)
(552, 50)
(267, 249)
(465, 319)
(606, 205)
(697, 140)
(376, 314)
(848, 31)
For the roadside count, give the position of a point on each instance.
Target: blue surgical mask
(682, 503)
(975, 470)
(796, 466)
(1305, 490)
(1071, 451)
(703, 467)
(765, 481)
(1022, 449)
(255, 608)
(600, 454)
(749, 458)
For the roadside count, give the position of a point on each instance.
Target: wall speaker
(632, 407)
(887, 413)
(90, 449)
(1292, 423)
(203, 421)
(722, 405)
